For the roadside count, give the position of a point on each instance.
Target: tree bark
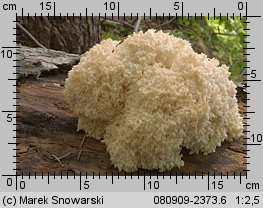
(70, 35)
(34, 62)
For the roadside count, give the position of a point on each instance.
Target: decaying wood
(81, 146)
(35, 62)
(48, 130)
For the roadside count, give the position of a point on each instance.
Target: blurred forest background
(219, 38)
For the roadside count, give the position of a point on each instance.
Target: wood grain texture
(48, 127)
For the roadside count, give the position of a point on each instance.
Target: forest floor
(48, 132)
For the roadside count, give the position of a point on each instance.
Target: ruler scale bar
(235, 187)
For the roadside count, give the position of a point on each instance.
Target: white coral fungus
(151, 95)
